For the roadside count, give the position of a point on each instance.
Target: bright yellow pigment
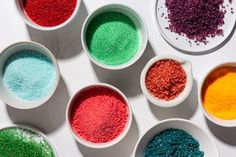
(219, 93)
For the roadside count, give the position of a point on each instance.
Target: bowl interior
(141, 28)
(206, 144)
(187, 67)
(20, 7)
(99, 145)
(8, 96)
(212, 118)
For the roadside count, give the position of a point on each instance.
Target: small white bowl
(139, 23)
(10, 98)
(212, 118)
(207, 145)
(35, 131)
(20, 9)
(88, 143)
(186, 65)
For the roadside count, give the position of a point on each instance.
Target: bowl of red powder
(167, 81)
(99, 116)
(47, 14)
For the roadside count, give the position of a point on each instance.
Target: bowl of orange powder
(167, 81)
(218, 95)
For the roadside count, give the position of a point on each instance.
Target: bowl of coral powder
(99, 116)
(167, 81)
(47, 14)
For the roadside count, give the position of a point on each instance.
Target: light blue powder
(30, 75)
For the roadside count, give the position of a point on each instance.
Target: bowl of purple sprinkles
(195, 26)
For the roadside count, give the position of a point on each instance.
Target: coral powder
(166, 79)
(49, 12)
(99, 115)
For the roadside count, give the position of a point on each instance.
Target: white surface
(77, 71)
(207, 145)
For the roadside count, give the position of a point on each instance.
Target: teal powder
(29, 75)
(112, 38)
(173, 143)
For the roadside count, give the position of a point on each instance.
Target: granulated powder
(166, 79)
(99, 115)
(49, 12)
(197, 19)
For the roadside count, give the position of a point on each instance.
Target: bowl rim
(106, 144)
(179, 120)
(34, 25)
(33, 129)
(57, 77)
(212, 118)
(139, 52)
(180, 98)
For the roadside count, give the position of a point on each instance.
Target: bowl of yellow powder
(114, 36)
(218, 95)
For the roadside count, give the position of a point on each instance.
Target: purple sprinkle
(197, 19)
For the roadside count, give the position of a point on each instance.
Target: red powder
(99, 115)
(197, 19)
(49, 12)
(166, 79)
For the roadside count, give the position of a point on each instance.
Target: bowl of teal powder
(19, 141)
(176, 138)
(29, 75)
(114, 36)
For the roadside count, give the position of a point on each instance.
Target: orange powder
(219, 93)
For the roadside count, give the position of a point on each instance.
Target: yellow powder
(219, 93)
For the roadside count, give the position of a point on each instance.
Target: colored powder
(49, 12)
(173, 143)
(19, 142)
(99, 115)
(219, 93)
(197, 19)
(166, 79)
(30, 75)
(112, 38)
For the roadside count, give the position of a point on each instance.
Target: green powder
(30, 75)
(173, 143)
(19, 142)
(112, 38)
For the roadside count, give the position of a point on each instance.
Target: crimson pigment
(99, 115)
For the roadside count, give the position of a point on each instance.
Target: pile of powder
(173, 143)
(18, 142)
(112, 38)
(99, 115)
(197, 19)
(166, 79)
(219, 93)
(49, 12)
(30, 75)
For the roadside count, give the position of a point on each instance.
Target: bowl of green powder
(114, 36)
(29, 75)
(176, 137)
(22, 141)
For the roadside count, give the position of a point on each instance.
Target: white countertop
(77, 71)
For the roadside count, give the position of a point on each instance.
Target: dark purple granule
(197, 19)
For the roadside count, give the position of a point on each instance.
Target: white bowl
(212, 118)
(35, 131)
(10, 98)
(207, 145)
(28, 21)
(88, 143)
(186, 65)
(139, 23)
